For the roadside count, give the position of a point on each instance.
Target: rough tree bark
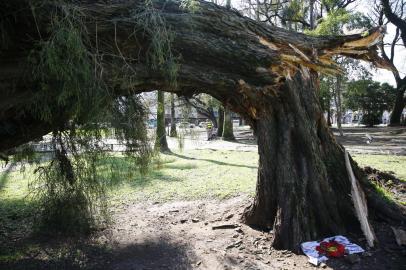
(266, 74)
(160, 141)
(299, 157)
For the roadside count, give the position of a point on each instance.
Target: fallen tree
(266, 74)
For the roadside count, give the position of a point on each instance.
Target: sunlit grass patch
(194, 174)
(389, 163)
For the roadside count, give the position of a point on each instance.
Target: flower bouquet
(331, 249)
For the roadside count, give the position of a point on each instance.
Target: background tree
(337, 21)
(173, 132)
(372, 98)
(203, 104)
(160, 141)
(228, 133)
(395, 13)
(325, 97)
(220, 128)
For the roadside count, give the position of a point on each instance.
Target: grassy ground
(391, 163)
(194, 174)
(189, 175)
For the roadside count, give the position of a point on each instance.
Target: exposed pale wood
(360, 204)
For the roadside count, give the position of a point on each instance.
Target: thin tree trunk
(311, 14)
(220, 121)
(257, 16)
(329, 115)
(337, 101)
(160, 141)
(173, 132)
(395, 118)
(228, 133)
(213, 118)
(228, 4)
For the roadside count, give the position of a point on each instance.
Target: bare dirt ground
(385, 140)
(183, 235)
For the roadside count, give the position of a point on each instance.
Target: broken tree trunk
(266, 74)
(303, 187)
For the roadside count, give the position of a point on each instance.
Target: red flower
(331, 249)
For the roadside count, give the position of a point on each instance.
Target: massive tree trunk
(303, 187)
(160, 141)
(266, 74)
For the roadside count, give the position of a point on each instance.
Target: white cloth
(309, 248)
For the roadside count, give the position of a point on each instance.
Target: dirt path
(180, 235)
(385, 140)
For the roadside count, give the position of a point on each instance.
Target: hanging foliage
(69, 187)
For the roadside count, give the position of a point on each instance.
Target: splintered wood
(301, 57)
(360, 204)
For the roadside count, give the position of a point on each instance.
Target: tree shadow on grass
(214, 161)
(181, 166)
(71, 254)
(16, 219)
(4, 175)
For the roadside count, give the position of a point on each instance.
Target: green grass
(15, 204)
(396, 164)
(194, 174)
(191, 175)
